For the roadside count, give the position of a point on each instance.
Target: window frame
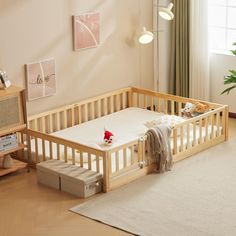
(226, 49)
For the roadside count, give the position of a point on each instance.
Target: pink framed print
(86, 30)
(41, 79)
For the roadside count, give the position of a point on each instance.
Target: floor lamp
(146, 37)
(166, 13)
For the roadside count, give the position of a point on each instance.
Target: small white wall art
(86, 30)
(41, 79)
(4, 79)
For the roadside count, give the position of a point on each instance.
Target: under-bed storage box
(81, 182)
(48, 173)
(69, 178)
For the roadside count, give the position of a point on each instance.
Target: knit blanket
(158, 146)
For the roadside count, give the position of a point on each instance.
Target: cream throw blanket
(158, 146)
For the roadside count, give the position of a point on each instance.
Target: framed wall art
(86, 30)
(41, 79)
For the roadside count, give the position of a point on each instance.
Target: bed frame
(40, 126)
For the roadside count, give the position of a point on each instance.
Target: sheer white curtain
(199, 55)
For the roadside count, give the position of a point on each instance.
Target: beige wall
(40, 29)
(220, 65)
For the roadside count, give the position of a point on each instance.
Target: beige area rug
(198, 197)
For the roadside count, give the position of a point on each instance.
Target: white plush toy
(188, 109)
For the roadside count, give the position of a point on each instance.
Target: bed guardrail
(162, 102)
(194, 134)
(119, 161)
(79, 112)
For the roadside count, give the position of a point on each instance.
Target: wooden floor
(29, 209)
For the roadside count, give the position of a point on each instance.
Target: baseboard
(232, 115)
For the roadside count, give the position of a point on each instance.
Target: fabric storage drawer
(48, 173)
(81, 182)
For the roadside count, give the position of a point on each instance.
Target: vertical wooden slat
(43, 149)
(118, 102)
(51, 123)
(81, 159)
(89, 161)
(43, 122)
(105, 106)
(79, 115)
(125, 157)
(58, 151)
(132, 154)
(172, 107)
(65, 153)
(50, 150)
(226, 122)
(223, 124)
(117, 161)
(85, 112)
(145, 101)
(106, 172)
(181, 138)
(159, 105)
(111, 104)
(133, 99)
(92, 110)
(58, 121)
(99, 108)
(36, 150)
(65, 118)
(174, 141)
(212, 117)
(188, 136)
(200, 131)
(124, 100)
(97, 164)
(72, 116)
(138, 102)
(37, 126)
(73, 156)
(140, 150)
(206, 129)
(218, 124)
(165, 107)
(130, 98)
(194, 134)
(152, 103)
(179, 108)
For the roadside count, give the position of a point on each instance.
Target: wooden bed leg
(106, 172)
(130, 98)
(226, 123)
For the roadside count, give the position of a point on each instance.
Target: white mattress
(127, 125)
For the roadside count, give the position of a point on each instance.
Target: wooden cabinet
(13, 119)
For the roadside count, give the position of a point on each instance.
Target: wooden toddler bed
(74, 133)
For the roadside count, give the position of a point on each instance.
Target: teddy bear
(201, 108)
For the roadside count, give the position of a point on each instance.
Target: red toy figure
(108, 137)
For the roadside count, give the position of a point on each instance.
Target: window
(222, 24)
